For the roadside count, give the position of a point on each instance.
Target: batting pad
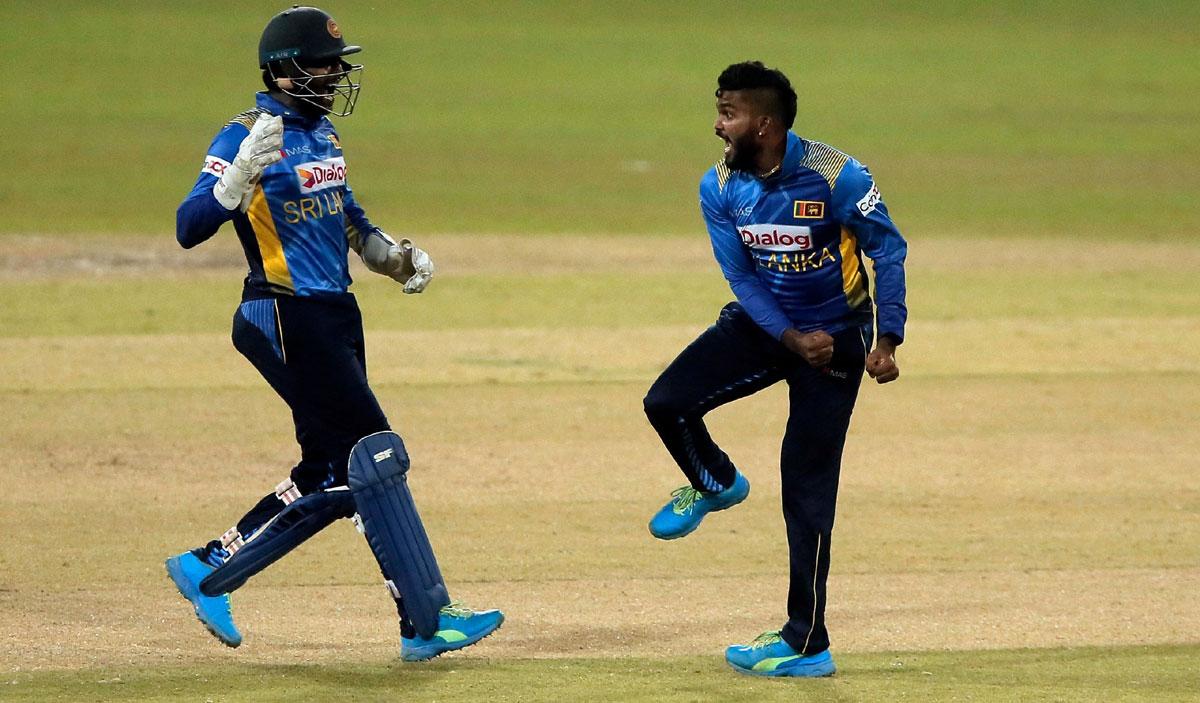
(389, 517)
(301, 519)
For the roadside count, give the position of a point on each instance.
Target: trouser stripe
(813, 619)
(704, 405)
(710, 483)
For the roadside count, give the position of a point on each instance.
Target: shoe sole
(795, 672)
(423, 657)
(693, 528)
(676, 535)
(181, 585)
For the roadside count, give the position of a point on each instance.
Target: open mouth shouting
(728, 151)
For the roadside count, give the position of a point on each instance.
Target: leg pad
(377, 469)
(302, 518)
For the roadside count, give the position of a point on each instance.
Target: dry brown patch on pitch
(1011, 494)
(943, 348)
(455, 254)
(957, 530)
(38, 256)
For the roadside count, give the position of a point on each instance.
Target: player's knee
(397, 450)
(661, 405)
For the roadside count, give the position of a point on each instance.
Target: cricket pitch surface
(1019, 516)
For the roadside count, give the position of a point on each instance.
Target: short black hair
(753, 75)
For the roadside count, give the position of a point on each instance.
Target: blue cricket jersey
(791, 245)
(302, 217)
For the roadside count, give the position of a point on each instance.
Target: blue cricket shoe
(688, 507)
(458, 627)
(187, 571)
(769, 655)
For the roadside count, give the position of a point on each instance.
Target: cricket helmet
(305, 37)
(306, 34)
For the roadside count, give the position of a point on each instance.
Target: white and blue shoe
(214, 612)
(458, 627)
(688, 506)
(770, 655)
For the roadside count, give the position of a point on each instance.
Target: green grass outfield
(1134, 674)
(1019, 517)
(999, 118)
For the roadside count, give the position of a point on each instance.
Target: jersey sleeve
(200, 215)
(736, 263)
(357, 224)
(862, 211)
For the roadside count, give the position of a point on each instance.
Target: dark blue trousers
(311, 352)
(733, 359)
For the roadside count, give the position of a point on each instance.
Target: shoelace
(456, 609)
(685, 499)
(766, 639)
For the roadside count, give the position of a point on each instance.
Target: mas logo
(318, 175)
(776, 237)
(808, 210)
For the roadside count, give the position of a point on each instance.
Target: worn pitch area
(1029, 482)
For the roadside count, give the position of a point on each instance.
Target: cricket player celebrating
(790, 220)
(278, 173)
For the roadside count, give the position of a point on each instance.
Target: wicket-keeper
(790, 221)
(278, 173)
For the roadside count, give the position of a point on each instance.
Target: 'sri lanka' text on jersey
(302, 217)
(791, 244)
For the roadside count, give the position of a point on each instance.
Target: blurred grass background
(1011, 119)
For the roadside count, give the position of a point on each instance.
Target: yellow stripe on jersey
(247, 118)
(825, 160)
(852, 270)
(270, 247)
(722, 175)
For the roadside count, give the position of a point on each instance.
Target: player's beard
(318, 96)
(744, 154)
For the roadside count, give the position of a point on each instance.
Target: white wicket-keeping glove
(418, 263)
(400, 260)
(258, 150)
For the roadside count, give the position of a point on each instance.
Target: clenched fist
(814, 347)
(881, 362)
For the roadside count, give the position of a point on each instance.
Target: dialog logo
(776, 237)
(318, 175)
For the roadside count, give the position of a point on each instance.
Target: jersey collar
(264, 101)
(793, 152)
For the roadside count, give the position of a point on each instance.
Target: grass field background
(1020, 513)
(1012, 119)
